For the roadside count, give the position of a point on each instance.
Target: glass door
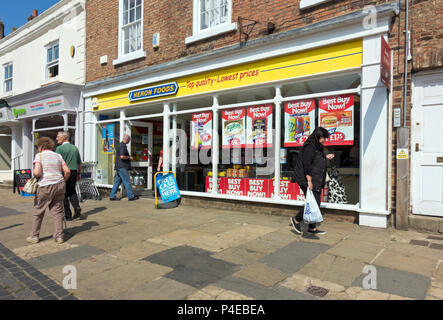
(140, 147)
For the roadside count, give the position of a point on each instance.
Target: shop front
(235, 132)
(43, 113)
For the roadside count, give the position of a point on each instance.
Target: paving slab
(339, 270)
(259, 292)
(244, 233)
(263, 246)
(261, 274)
(138, 250)
(159, 289)
(355, 249)
(212, 292)
(398, 282)
(294, 256)
(64, 257)
(239, 256)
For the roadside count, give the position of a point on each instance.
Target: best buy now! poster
(299, 121)
(234, 132)
(259, 126)
(201, 130)
(336, 114)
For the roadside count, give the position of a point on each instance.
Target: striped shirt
(52, 168)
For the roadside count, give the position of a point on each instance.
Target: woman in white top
(52, 172)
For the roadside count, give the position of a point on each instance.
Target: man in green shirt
(71, 155)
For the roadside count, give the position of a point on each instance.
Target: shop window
(211, 17)
(241, 96)
(8, 72)
(50, 122)
(108, 138)
(52, 60)
(72, 120)
(300, 117)
(5, 148)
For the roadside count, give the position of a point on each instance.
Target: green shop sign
(19, 112)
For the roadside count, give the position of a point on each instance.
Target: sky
(15, 13)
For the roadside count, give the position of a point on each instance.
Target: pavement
(129, 250)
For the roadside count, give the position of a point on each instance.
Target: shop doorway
(427, 145)
(141, 149)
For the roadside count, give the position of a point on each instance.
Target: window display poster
(299, 121)
(201, 130)
(259, 126)
(336, 114)
(233, 128)
(108, 138)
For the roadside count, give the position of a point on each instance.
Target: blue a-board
(168, 188)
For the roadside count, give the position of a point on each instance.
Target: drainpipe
(406, 53)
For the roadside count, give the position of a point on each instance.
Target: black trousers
(317, 196)
(71, 195)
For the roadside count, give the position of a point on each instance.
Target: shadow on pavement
(71, 232)
(94, 211)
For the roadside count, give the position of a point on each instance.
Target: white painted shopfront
(338, 59)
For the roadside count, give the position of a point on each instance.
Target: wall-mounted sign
(397, 117)
(259, 126)
(39, 107)
(385, 63)
(336, 114)
(166, 89)
(233, 128)
(299, 121)
(402, 153)
(72, 51)
(201, 130)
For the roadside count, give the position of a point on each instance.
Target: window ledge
(305, 4)
(50, 81)
(129, 57)
(7, 94)
(211, 32)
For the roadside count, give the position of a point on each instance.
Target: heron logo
(19, 112)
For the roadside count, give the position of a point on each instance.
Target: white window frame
(53, 62)
(122, 57)
(199, 34)
(10, 79)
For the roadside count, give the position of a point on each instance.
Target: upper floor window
(211, 17)
(52, 60)
(131, 31)
(7, 77)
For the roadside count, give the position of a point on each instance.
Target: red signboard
(385, 63)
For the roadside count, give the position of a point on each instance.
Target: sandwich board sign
(168, 188)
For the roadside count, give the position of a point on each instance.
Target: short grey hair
(126, 137)
(64, 134)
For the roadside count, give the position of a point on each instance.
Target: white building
(42, 70)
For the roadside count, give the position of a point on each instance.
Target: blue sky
(15, 13)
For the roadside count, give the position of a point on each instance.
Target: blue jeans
(122, 176)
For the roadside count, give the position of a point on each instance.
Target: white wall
(25, 48)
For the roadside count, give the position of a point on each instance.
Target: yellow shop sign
(325, 59)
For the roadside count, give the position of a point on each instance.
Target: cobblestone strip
(21, 281)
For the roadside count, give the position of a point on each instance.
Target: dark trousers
(71, 195)
(317, 195)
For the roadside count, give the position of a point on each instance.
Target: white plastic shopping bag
(312, 212)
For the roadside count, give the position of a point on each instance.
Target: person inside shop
(160, 161)
(122, 166)
(71, 155)
(310, 172)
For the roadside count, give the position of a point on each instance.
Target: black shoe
(316, 231)
(114, 199)
(77, 214)
(68, 218)
(297, 226)
(134, 198)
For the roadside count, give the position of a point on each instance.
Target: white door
(427, 145)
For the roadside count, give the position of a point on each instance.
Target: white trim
(212, 32)
(122, 57)
(129, 57)
(304, 4)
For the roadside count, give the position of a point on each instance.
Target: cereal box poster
(336, 114)
(234, 131)
(299, 121)
(259, 126)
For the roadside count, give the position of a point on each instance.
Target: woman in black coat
(310, 172)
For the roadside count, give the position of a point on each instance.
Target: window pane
(49, 54)
(126, 45)
(56, 52)
(131, 15)
(139, 13)
(5, 153)
(204, 21)
(139, 2)
(132, 4)
(125, 5)
(125, 17)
